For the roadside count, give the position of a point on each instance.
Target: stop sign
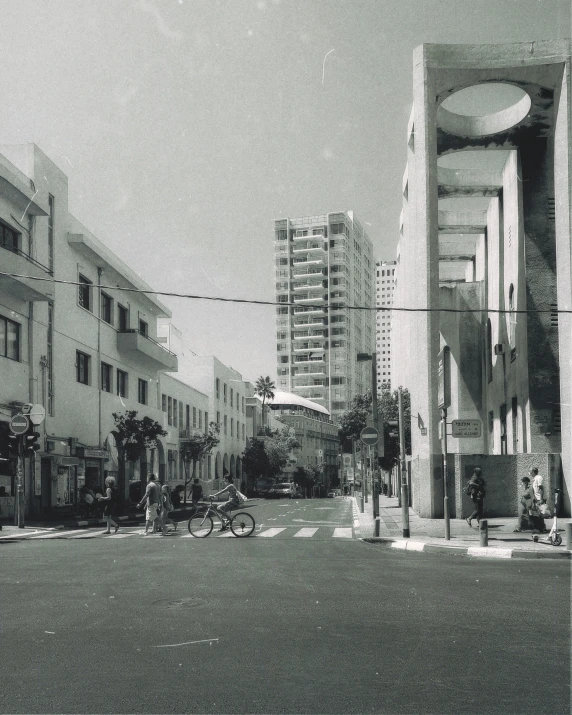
(369, 436)
(19, 424)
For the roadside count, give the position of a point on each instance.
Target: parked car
(282, 489)
(334, 493)
(262, 486)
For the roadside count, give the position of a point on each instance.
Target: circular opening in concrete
(483, 109)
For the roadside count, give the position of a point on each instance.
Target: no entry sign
(19, 424)
(369, 436)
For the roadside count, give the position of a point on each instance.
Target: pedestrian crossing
(261, 531)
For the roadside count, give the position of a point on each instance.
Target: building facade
(485, 256)
(226, 393)
(384, 286)
(324, 266)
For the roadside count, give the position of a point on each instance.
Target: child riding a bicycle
(232, 503)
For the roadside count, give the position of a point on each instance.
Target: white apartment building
(384, 287)
(324, 268)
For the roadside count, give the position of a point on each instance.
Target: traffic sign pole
(446, 514)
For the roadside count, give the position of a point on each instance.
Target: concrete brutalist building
(485, 253)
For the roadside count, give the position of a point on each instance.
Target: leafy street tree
(133, 436)
(255, 462)
(195, 448)
(264, 387)
(303, 479)
(279, 448)
(354, 420)
(388, 408)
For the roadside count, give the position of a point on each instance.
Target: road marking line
(343, 533)
(176, 645)
(89, 535)
(271, 532)
(306, 532)
(489, 551)
(17, 535)
(224, 535)
(57, 535)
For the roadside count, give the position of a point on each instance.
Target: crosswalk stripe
(343, 533)
(24, 535)
(271, 532)
(57, 535)
(306, 532)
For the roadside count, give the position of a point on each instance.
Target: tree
(354, 420)
(195, 448)
(133, 436)
(255, 461)
(278, 448)
(264, 387)
(388, 408)
(303, 479)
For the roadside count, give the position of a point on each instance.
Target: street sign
(37, 414)
(466, 428)
(19, 424)
(369, 436)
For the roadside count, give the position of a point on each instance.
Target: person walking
(152, 500)
(196, 492)
(111, 505)
(476, 490)
(166, 507)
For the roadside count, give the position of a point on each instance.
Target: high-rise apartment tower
(324, 274)
(385, 283)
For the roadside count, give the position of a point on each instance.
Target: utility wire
(247, 301)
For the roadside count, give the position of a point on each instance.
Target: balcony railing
(29, 258)
(26, 278)
(132, 339)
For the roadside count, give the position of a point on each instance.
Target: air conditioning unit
(499, 350)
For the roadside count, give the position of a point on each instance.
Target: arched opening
(225, 465)
(232, 471)
(218, 466)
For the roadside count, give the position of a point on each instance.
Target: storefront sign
(88, 453)
(68, 461)
(466, 428)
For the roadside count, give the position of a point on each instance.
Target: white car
(283, 489)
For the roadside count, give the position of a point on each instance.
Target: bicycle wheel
(200, 525)
(242, 524)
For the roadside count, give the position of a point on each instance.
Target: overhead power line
(248, 301)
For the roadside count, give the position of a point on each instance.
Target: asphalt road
(278, 625)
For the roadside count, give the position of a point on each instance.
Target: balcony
(310, 259)
(309, 309)
(311, 247)
(317, 372)
(309, 348)
(25, 270)
(310, 386)
(307, 359)
(309, 334)
(319, 285)
(147, 350)
(309, 299)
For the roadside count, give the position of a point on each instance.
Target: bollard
(569, 536)
(377, 527)
(484, 532)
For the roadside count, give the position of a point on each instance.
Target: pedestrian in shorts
(152, 500)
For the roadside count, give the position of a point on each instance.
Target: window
(232, 427)
(200, 420)
(122, 317)
(224, 392)
(187, 417)
(9, 239)
(180, 415)
(164, 403)
(121, 383)
(9, 339)
(243, 405)
(174, 412)
(206, 422)
(194, 416)
(106, 377)
(51, 202)
(243, 437)
(514, 411)
(218, 418)
(503, 429)
(217, 383)
(84, 292)
(231, 397)
(142, 392)
(82, 367)
(225, 425)
(169, 410)
(143, 328)
(106, 308)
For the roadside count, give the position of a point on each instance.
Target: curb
(474, 551)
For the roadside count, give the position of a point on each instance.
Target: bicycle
(201, 523)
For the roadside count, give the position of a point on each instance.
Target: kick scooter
(553, 538)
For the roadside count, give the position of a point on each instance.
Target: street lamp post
(373, 357)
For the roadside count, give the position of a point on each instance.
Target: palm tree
(264, 387)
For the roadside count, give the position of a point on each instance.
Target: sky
(186, 127)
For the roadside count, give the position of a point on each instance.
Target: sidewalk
(428, 535)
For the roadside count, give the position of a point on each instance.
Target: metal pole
(404, 484)
(373, 450)
(19, 474)
(446, 514)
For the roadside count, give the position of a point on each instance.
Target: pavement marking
(24, 536)
(306, 532)
(176, 645)
(89, 535)
(224, 535)
(408, 545)
(489, 551)
(57, 535)
(271, 532)
(343, 533)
